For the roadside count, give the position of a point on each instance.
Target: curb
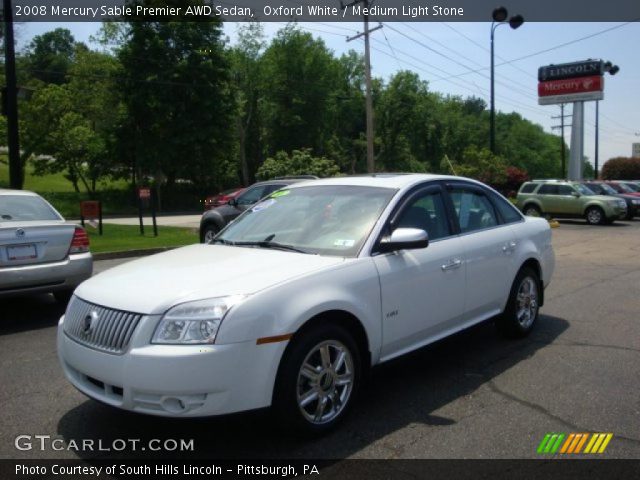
(130, 253)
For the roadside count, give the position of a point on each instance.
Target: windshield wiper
(269, 244)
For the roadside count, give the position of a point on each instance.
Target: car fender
(529, 201)
(282, 310)
(604, 206)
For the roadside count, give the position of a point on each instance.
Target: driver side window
(426, 212)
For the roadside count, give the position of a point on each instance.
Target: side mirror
(233, 202)
(575, 194)
(405, 238)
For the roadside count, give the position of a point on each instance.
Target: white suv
(294, 301)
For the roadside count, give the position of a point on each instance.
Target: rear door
(488, 248)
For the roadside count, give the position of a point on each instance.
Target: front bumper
(66, 274)
(173, 380)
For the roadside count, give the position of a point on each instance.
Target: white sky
(467, 47)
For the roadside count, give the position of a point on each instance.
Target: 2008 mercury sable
(322, 280)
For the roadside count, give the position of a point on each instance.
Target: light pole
(499, 16)
(612, 69)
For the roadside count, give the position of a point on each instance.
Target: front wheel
(521, 311)
(595, 216)
(318, 379)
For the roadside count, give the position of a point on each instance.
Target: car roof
(384, 180)
(6, 191)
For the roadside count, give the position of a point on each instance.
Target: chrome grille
(98, 327)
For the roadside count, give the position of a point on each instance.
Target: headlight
(194, 322)
(622, 204)
(636, 202)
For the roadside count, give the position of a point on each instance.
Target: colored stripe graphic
(572, 443)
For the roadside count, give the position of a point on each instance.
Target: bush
(621, 168)
(300, 162)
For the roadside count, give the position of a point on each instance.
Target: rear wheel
(210, 231)
(522, 308)
(318, 378)
(595, 216)
(532, 211)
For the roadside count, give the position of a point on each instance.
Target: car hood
(153, 284)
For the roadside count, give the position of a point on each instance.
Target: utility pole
(11, 94)
(367, 72)
(595, 174)
(562, 145)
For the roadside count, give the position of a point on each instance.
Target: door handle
(452, 264)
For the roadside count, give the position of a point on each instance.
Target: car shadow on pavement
(29, 312)
(401, 392)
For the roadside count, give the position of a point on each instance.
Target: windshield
(25, 208)
(584, 190)
(326, 220)
(607, 189)
(632, 187)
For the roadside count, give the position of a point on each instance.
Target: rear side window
(507, 211)
(548, 189)
(528, 187)
(25, 208)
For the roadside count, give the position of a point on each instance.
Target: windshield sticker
(263, 205)
(281, 193)
(344, 243)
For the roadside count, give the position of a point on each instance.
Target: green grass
(54, 182)
(117, 238)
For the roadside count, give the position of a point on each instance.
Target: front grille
(99, 327)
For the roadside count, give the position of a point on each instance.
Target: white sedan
(292, 303)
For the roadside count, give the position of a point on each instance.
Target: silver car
(39, 251)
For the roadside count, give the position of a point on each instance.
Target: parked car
(602, 188)
(216, 219)
(622, 187)
(631, 185)
(293, 303)
(39, 251)
(222, 198)
(568, 199)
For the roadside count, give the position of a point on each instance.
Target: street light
(612, 70)
(499, 16)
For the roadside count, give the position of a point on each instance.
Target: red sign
(144, 193)
(90, 209)
(567, 86)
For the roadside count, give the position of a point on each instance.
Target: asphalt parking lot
(471, 396)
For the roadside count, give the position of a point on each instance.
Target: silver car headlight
(194, 322)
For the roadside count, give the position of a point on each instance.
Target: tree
(50, 55)
(300, 162)
(246, 72)
(178, 100)
(621, 168)
(300, 83)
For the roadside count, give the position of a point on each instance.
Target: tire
(63, 296)
(209, 231)
(532, 210)
(629, 216)
(308, 397)
(595, 216)
(522, 308)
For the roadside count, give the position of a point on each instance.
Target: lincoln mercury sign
(571, 82)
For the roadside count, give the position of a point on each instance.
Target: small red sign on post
(90, 209)
(144, 193)
(593, 83)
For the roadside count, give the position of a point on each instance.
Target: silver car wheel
(527, 302)
(594, 216)
(325, 382)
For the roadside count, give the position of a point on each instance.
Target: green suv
(567, 199)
